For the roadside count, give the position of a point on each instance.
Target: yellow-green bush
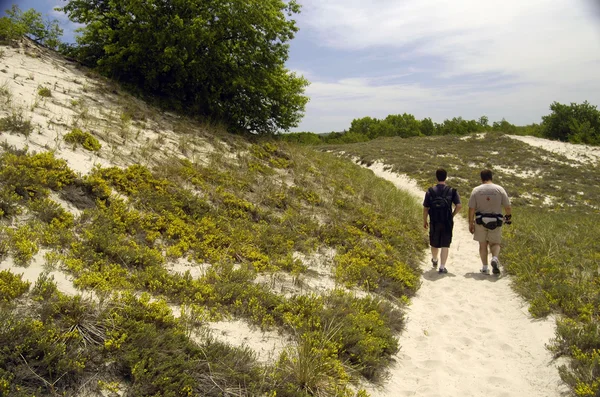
(85, 139)
(23, 244)
(32, 175)
(11, 286)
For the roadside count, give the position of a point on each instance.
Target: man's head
(486, 175)
(441, 175)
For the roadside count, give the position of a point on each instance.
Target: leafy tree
(427, 127)
(504, 126)
(404, 125)
(365, 126)
(222, 60)
(31, 24)
(484, 121)
(578, 123)
(459, 126)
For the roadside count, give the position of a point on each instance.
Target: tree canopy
(31, 24)
(220, 59)
(577, 123)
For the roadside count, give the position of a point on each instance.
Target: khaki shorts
(491, 236)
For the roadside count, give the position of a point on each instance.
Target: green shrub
(85, 139)
(31, 176)
(11, 286)
(23, 241)
(44, 92)
(9, 202)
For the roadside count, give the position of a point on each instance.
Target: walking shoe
(495, 268)
(434, 262)
(443, 270)
(485, 271)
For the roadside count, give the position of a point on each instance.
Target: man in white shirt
(485, 219)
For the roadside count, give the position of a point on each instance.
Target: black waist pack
(489, 221)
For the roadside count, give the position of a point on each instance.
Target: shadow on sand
(433, 275)
(484, 277)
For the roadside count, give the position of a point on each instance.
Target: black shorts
(440, 235)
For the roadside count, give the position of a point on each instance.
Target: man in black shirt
(437, 206)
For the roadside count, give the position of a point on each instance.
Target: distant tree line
(223, 61)
(576, 123)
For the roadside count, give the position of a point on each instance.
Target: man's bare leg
(495, 248)
(483, 253)
(444, 257)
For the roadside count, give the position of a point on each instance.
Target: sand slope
(469, 334)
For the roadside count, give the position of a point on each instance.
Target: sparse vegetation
(16, 123)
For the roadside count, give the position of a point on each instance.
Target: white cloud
(548, 49)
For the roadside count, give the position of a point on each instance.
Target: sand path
(469, 334)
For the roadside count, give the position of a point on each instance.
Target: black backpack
(440, 210)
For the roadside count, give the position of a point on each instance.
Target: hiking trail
(467, 333)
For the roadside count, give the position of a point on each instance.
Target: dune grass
(245, 215)
(552, 247)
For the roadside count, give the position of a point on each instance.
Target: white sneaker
(485, 271)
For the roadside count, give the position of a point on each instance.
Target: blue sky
(439, 58)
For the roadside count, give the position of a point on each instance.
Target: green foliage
(427, 127)
(310, 368)
(459, 126)
(23, 243)
(553, 257)
(577, 123)
(31, 24)
(31, 176)
(9, 202)
(85, 139)
(304, 138)
(11, 286)
(9, 30)
(222, 61)
(404, 125)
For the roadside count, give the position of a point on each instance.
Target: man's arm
(472, 220)
(425, 215)
(457, 209)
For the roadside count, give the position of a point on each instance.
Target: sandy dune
(469, 334)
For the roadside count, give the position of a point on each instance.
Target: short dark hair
(486, 175)
(441, 174)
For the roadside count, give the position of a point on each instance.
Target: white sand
(33, 271)
(468, 334)
(80, 99)
(584, 154)
(267, 345)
